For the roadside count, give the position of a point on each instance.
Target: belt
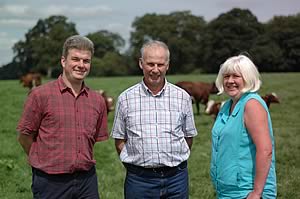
(76, 174)
(155, 172)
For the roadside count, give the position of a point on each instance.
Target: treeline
(196, 46)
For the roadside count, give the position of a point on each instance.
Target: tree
(105, 41)
(266, 54)
(228, 35)
(107, 60)
(112, 64)
(285, 32)
(41, 50)
(10, 71)
(181, 31)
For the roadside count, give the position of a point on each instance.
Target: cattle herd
(199, 92)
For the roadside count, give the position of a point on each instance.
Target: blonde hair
(243, 65)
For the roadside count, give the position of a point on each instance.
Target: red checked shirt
(65, 128)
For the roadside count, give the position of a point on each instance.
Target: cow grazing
(270, 98)
(109, 101)
(213, 108)
(199, 91)
(31, 80)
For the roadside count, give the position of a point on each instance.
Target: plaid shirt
(65, 128)
(155, 126)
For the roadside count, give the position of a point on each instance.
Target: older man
(153, 130)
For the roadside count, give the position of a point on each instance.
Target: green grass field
(15, 173)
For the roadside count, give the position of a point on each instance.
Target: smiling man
(153, 130)
(60, 124)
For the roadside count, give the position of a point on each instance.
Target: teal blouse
(232, 166)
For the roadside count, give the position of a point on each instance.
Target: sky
(18, 16)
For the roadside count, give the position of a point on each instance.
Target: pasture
(15, 173)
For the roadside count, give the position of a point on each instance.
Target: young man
(153, 130)
(59, 126)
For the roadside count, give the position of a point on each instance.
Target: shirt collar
(239, 104)
(224, 112)
(63, 87)
(147, 91)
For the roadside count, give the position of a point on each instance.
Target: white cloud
(77, 12)
(15, 10)
(3, 34)
(6, 42)
(19, 23)
(21, 10)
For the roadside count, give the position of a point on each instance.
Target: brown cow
(109, 101)
(31, 80)
(270, 98)
(213, 108)
(199, 91)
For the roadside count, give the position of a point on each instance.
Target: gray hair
(77, 42)
(155, 43)
(243, 65)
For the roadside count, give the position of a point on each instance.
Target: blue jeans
(78, 185)
(143, 183)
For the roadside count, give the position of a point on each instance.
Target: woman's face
(233, 83)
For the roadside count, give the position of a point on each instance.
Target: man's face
(77, 64)
(155, 66)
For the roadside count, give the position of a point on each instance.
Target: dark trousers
(78, 185)
(166, 182)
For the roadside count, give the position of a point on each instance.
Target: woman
(243, 156)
